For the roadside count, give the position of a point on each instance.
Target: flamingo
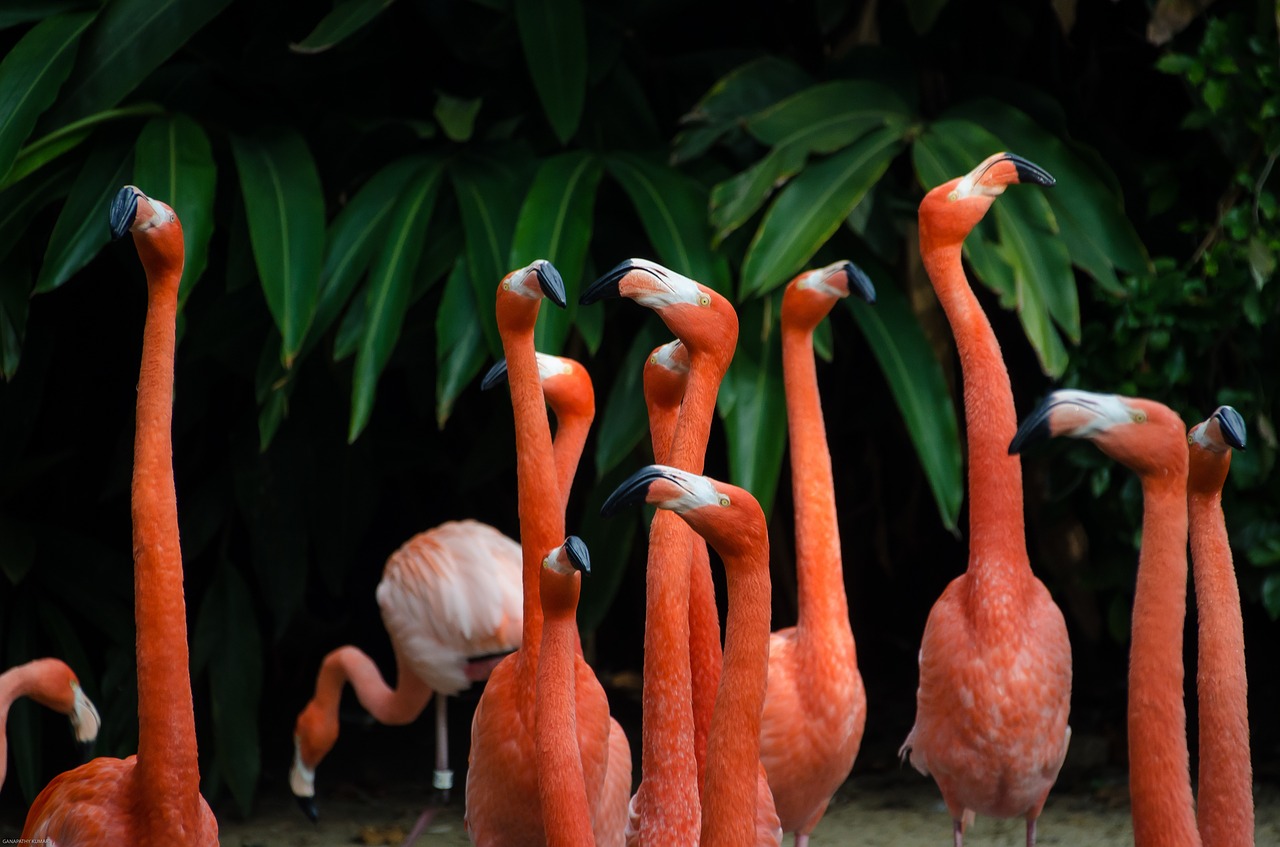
(153, 797)
(1150, 440)
(55, 686)
(502, 793)
(450, 600)
(995, 661)
(731, 521)
(1224, 813)
(562, 792)
(815, 708)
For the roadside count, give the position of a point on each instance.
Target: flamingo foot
(424, 821)
(802, 840)
(957, 830)
(1031, 832)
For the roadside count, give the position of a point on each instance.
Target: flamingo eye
(953, 196)
(1138, 416)
(506, 285)
(704, 300)
(724, 501)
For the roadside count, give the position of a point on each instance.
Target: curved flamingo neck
(733, 748)
(997, 538)
(1159, 774)
(570, 440)
(1225, 803)
(167, 769)
(387, 705)
(819, 571)
(566, 812)
(47, 681)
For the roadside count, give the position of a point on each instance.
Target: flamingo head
(559, 581)
(313, 737)
(950, 211)
(666, 373)
(55, 686)
(157, 232)
(521, 292)
(811, 295)
(565, 384)
(727, 516)
(1144, 435)
(85, 721)
(1210, 444)
(699, 316)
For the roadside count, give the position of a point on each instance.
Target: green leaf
(460, 350)
(753, 405)
(285, 210)
(555, 224)
(615, 535)
(920, 390)
(829, 116)
(174, 163)
(812, 207)
(129, 40)
(81, 229)
(457, 116)
(16, 12)
(46, 149)
(1271, 595)
(20, 203)
(489, 205)
(554, 37)
(15, 295)
(31, 75)
(345, 19)
(226, 638)
(390, 282)
(735, 200)
(624, 421)
(672, 209)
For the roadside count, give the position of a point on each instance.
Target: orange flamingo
(995, 662)
(55, 686)
(731, 521)
(682, 641)
(562, 792)
(1225, 802)
(153, 797)
(1150, 440)
(815, 708)
(502, 793)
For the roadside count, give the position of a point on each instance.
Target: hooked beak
(607, 285)
(308, 806)
(550, 282)
(1029, 171)
(496, 375)
(124, 208)
(634, 489)
(576, 550)
(1232, 425)
(859, 282)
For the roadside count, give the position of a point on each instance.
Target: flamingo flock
(745, 736)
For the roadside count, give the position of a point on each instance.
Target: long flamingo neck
(1159, 775)
(570, 440)
(386, 705)
(997, 539)
(566, 814)
(693, 425)
(819, 571)
(733, 749)
(44, 680)
(1225, 803)
(167, 768)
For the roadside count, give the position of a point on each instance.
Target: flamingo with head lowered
(152, 798)
(995, 661)
(55, 686)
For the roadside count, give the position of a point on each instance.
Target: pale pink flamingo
(53, 685)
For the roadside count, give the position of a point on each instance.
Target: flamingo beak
(1028, 171)
(308, 806)
(496, 375)
(551, 283)
(634, 489)
(1034, 430)
(576, 551)
(1232, 425)
(124, 208)
(859, 282)
(607, 285)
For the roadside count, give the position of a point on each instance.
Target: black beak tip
(1033, 430)
(859, 282)
(86, 750)
(308, 806)
(578, 554)
(1232, 425)
(497, 374)
(1030, 172)
(607, 285)
(124, 207)
(552, 284)
(630, 491)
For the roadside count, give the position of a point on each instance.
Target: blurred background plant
(353, 184)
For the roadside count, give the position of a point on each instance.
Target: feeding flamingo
(53, 685)
(151, 798)
(1224, 803)
(815, 708)
(1149, 439)
(731, 521)
(995, 661)
(502, 793)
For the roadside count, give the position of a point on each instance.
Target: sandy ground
(901, 810)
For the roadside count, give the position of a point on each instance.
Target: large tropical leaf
(555, 224)
(672, 209)
(129, 40)
(554, 37)
(390, 282)
(753, 404)
(285, 210)
(918, 387)
(18, 203)
(64, 139)
(343, 20)
(81, 230)
(31, 75)
(624, 421)
(460, 350)
(812, 207)
(613, 537)
(174, 163)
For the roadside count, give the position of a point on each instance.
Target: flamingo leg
(802, 840)
(442, 778)
(1031, 832)
(957, 830)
